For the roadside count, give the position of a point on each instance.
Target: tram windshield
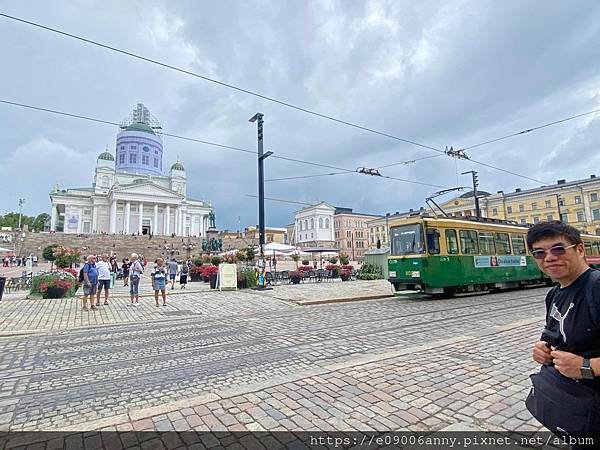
(407, 239)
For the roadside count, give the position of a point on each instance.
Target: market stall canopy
(320, 250)
(277, 247)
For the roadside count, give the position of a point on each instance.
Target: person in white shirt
(103, 267)
(159, 280)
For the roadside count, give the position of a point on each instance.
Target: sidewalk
(19, 314)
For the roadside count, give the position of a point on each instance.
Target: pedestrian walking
(90, 282)
(159, 280)
(135, 273)
(103, 267)
(114, 270)
(565, 396)
(125, 269)
(173, 269)
(183, 275)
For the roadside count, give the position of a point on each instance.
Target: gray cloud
(452, 73)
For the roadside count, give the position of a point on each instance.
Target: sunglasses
(557, 250)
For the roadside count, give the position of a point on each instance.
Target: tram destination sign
(499, 261)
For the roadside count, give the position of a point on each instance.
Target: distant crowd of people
(17, 261)
(99, 273)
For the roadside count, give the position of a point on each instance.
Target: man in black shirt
(570, 343)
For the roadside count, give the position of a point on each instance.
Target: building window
(145, 160)
(122, 158)
(580, 216)
(548, 203)
(133, 147)
(577, 199)
(326, 223)
(549, 217)
(523, 220)
(494, 211)
(536, 219)
(596, 214)
(312, 223)
(122, 147)
(561, 202)
(306, 224)
(145, 148)
(320, 222)
(534, 206)
(87, 212)
(564, 217)
(521, 208)
(104, 181)
(156, 162)
(594, 197)
(509, 209)
(132, 158)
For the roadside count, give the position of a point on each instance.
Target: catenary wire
(246, 91)
(529, 130)
(214, 144)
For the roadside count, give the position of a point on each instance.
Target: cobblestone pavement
(20, 314)
(376, 365)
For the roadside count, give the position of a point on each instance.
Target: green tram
(453, 255)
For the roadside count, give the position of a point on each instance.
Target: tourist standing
(90, 282)
(173, 268)
(159, 280)
(135, 272)
(103, 267)
(183, 275)
(125, 269)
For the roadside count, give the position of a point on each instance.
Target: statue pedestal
(211, 233)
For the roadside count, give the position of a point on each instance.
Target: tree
(40, 220)
(48, 254)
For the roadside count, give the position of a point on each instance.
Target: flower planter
(55, 292)
(213, 281)
(345, 277)
(241, 283)
(295, 280)
(195, 277)
(205, 279)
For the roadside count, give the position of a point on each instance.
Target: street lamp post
(258, 117)
(21, 201)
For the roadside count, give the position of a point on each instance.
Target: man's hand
(542, 353)
(567, 363)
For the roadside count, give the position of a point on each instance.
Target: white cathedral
(130, 193)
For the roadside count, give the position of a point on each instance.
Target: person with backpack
(90, 282)
(159, 281)
(565, 396)
(135, 273)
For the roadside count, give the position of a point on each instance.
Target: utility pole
(475, 184)
(21, 201)
(258, 117)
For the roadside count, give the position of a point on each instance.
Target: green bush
(370, 272)
(48, 252)
(216, 260)
(250, 275)
(250, 254)
(197, 262)
(305, 262)
(333, 260)
(344, 259)
(40, 283)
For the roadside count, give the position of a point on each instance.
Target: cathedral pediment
(147, 189)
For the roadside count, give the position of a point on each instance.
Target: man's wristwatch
(586, 371)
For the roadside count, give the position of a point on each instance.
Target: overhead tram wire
(236, 88)
(529, 130)
(214, 144)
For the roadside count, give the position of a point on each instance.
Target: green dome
(178, 166)
(139, 126)
(106, 156)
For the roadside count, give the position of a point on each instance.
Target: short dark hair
(552, 229)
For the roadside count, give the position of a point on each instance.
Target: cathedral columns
(167, 226)
(155, 224)
(94, 219)
(141, 222)
(113, 217)
(126, 218)
(53, 217)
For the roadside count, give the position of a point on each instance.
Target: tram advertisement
(499, 261)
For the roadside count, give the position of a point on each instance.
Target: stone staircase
(122, 245)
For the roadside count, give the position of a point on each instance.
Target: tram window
(596, 248)
(451, 242)
(502, 243)
(588, 248)
(518, 245)
(433, 241)
(468, 242)
(487, 245)
(407, 239)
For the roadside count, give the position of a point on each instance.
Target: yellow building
(271, 234)
(575, 202)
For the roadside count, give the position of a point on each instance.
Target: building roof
(107, 156)
(139, 126)
(471, 194)
(178, 166)
(559, 185)
(342, 210)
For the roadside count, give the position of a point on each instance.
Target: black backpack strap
(593, 303)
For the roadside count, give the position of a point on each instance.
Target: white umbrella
(277, 247)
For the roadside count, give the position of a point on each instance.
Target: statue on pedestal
(211, 219)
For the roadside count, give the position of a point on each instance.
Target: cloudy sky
(439, 73)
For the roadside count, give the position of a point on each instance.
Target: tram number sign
(499, 261)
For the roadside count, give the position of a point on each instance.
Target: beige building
(575, 202)
(351, 232)
(271, 234)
